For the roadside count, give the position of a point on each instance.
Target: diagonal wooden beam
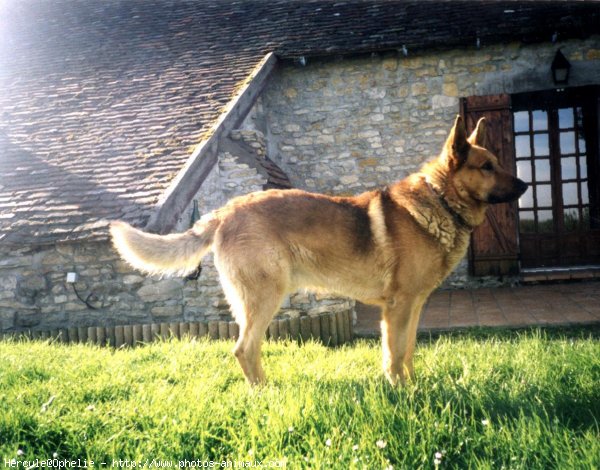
(188, 181)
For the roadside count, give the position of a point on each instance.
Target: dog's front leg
(411, 335)
(400, 317)
(394, 324)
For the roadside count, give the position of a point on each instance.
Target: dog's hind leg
(248, 346)
(255, 299)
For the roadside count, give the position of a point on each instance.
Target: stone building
(146, 110)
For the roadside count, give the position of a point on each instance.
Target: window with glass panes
(573, 170)
(550, 150)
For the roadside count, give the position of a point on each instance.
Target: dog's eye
(488, 166)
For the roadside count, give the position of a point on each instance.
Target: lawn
(528, 399)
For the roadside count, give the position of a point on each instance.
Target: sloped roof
(101, 103)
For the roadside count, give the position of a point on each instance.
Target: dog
(390, 247)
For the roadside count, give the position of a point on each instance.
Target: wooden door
(494, 244)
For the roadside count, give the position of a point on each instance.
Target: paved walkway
(543, 305)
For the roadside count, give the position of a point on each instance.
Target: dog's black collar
(458, 219)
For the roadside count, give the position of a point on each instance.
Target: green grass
(527, 400)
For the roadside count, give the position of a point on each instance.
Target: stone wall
(346, 126)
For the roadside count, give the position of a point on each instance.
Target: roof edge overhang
(204, 157)
(414, 50)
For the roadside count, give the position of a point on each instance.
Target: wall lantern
(560, 69)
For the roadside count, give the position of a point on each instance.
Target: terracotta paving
(543, 305)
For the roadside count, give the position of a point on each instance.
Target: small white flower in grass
(20, 453)
(355, 447)
(381, 443)
(485, 422)
(55, 455)
(436, 462)
(328, 442)
(438, 455)
(46, 405)
(291, 429)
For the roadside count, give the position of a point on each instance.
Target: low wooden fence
(331, 329)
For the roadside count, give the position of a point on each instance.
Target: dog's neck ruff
(458, 219)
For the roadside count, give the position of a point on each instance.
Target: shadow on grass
(571, 409)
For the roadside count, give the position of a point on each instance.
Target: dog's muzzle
(518, 188)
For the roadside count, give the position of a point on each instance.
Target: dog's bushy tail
(175, 254)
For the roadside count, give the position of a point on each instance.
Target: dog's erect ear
(478, 136)
(457, 145)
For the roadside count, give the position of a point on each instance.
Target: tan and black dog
(389, 247)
